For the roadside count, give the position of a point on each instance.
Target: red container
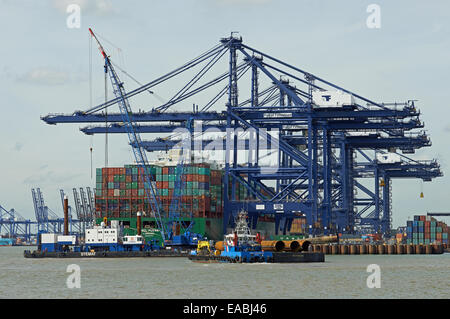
(128, 179)
(165, 185)
(110, 192)
(128, 192)
(165, 171)
(122, 185)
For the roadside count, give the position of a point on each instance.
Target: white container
(332, 98)
(67, 239)
(49, 238)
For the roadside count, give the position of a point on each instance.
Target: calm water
(404, 276)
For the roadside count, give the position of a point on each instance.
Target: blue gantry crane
(13, 225)
(324, 138)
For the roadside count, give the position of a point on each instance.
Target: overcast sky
(44, 68)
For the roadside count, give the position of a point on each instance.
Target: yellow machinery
(204, 248)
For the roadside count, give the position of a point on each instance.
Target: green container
(189, 192)
(195, 185)
(158, 170)
(444, 235)
(165, 178)
(98, 186)
(122, 192)
(164, 192)
(438, 229)
(122, 178)
(141, 192)
(98, 192)
(134, 171)
(111, 185)
(128, 185)
(98, 172)
(134, 185)
(159, 178)
(171, 184)
(204, 171)
(171, 178)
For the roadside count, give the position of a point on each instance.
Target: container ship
(120, 194)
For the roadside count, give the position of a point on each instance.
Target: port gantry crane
(14, 225)
(322, 150)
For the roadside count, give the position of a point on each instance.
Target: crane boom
(133, 136)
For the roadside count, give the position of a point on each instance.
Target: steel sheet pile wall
(426, 230)
(120, 191)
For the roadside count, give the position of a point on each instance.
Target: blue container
(134, 178)
(415, 223)
(421, 229)
(409, 223)
(128, 171)
(202, 185)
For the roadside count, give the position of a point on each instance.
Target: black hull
(282, 257)
(103, 254)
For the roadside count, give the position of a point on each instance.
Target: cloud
(94, 7)
(18, 146)
(45, 76)
(49, 178)
(447, 128)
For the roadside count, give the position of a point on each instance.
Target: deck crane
(134, 137)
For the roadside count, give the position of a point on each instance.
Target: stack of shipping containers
(426, 230)
(120, 192)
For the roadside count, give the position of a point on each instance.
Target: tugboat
(241, 246)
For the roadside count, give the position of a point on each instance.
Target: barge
(101, 241)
